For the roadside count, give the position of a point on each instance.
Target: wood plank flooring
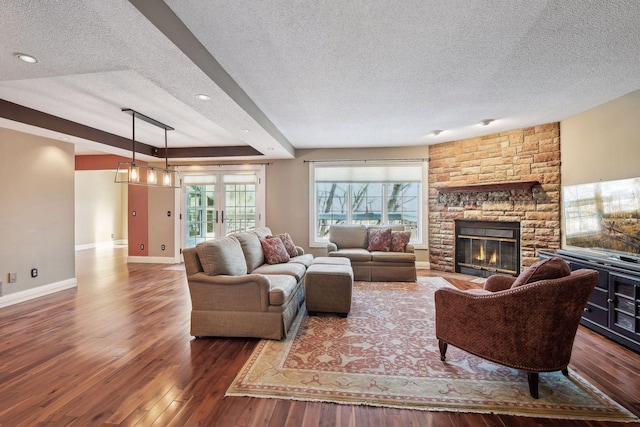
(117, 351)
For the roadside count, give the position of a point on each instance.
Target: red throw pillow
(550, 268)
(288, 244)
(379, 239)
(399, 240)
(274, 250)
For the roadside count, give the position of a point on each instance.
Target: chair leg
(443, 349)
(532, 377)
(565, 372)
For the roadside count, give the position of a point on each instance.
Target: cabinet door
(597, 309)
(624, 313)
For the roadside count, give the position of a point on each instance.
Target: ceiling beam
(165, 20)
(229, 151)
(29, 116)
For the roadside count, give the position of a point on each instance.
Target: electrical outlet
(34, 272)
(13, 277)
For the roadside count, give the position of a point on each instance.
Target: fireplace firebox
(483, 248)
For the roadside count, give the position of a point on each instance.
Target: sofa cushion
(348, 235)
(305, 259)
(393, 257)
(294, 269)
(274, 250)
(380, 239)
(399, 240)
(252, 249)
(263, 232)
(357, 255)
(550, 268)
(282, 288)
(222, 256)
(288, 244)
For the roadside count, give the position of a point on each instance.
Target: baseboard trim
(423, 264)
(40, 291)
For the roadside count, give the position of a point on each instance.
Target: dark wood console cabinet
(614, 307)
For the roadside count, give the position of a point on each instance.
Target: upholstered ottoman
(328, 286)
(332, 260)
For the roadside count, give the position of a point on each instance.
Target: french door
(217, 203)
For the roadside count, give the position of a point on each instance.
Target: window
(376, 194)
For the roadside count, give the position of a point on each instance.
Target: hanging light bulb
(151, 176)
(167, 179)
(134, 174)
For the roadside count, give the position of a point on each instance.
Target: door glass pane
(240, 202)
(200, 218)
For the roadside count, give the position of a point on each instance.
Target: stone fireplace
(484, 248)
(506, 177)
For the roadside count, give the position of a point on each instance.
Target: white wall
(99, 209)
(36, 211)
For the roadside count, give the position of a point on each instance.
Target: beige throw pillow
(222, 256)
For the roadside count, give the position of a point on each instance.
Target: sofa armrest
(299, 250)
(331, 247)
(483, 324)
(498, 282)
(248, 292)
(409, 248)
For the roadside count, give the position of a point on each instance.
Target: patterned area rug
(385, 354)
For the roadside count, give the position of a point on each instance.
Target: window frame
(422, 215)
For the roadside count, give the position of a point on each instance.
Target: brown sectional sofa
(352, 241)
(235, 294)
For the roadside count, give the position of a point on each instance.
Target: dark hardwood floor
(117, 351)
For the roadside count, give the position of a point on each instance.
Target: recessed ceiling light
(486, 122)
(26, 58)
(203, 97)
(270, 149)
(245, 130)
(436, 132)
(65, 138)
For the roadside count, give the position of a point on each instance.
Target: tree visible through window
(368, 197)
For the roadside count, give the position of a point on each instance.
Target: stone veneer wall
(531, 154)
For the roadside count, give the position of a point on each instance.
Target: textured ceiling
(312, 74)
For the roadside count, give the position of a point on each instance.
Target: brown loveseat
(527, 323)
(234, 293)
(352, 241)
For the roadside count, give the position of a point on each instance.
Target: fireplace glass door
(486, 247)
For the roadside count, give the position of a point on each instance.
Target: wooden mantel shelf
(494, 186)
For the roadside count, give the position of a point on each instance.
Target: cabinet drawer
(603, 275)
(596, 315)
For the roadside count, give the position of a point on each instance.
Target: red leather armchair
(530, 327)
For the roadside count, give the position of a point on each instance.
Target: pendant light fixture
(142, 174)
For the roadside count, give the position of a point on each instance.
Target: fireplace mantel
(493, 186)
